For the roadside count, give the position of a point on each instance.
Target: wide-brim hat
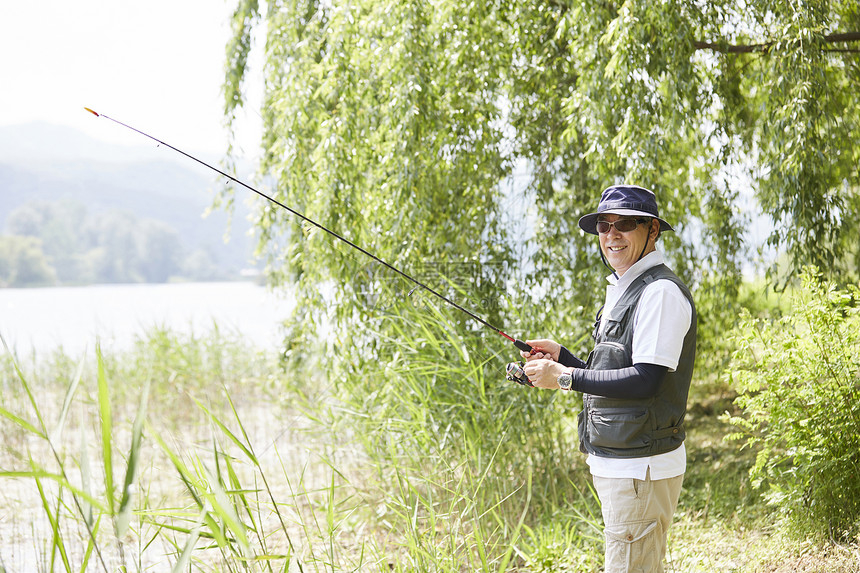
(628, 200)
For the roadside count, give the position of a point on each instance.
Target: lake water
(74, 318)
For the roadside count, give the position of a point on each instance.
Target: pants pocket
(633, 547)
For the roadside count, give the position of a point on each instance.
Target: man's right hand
(542, 348)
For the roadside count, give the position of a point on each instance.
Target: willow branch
(750, 48)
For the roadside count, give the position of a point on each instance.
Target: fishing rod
(518, 343)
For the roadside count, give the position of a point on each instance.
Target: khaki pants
(636, 517)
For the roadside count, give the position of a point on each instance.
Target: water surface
(74, 318)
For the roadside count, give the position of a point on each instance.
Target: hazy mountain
(47, 162)
(39, 142)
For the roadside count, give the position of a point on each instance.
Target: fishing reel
(515, 373)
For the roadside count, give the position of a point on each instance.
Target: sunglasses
(621, 225)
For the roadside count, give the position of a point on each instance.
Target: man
(635, 383)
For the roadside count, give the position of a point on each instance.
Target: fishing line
(518, 343)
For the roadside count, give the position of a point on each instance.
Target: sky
(157, 65)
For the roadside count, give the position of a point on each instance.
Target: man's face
(622, 249)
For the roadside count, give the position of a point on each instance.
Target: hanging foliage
(445, 133)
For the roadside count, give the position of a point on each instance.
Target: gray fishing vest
(620, 428)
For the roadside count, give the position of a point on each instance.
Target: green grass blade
(189, 479)
(21, 422)
(38, 474)
(515, 535)
(107, 430)
(242, 499)
(43, 432)
(223, 507)
(229, 434)
(175, 528)
(125, 505)
(90, 546)
(86, 476)
(67, 401)
(53, 518)
(185, 557)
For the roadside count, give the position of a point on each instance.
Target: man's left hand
(544, 373)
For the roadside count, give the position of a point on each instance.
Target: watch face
(565, 381)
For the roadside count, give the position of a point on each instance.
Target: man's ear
(654, 232)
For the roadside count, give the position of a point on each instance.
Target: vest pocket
(618, 427)
(608, 355)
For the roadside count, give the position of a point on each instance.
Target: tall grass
(135, 518)
(469, 468)
(189, 453)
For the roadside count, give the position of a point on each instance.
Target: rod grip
(523, 346)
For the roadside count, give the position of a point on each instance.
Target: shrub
(798, 380)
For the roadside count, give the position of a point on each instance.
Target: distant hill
(39, 142)
(46, 162)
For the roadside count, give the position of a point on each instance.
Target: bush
(798, 380)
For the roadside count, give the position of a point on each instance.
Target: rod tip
(91, 111)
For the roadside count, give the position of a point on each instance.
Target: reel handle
(523, 346)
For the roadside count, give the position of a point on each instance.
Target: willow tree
(437, 133)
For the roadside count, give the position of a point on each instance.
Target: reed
(194, 453)
(200, 453)
(459, 459)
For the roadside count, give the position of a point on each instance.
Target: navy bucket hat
(628, 200)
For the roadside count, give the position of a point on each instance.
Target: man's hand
(542, 349)
(544, 373)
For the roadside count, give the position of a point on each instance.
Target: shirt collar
(652, 259)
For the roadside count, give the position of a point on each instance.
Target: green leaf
(106, 430)
(125, 505)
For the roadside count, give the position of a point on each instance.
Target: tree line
(64, 243)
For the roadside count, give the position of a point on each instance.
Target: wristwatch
(565, 380)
